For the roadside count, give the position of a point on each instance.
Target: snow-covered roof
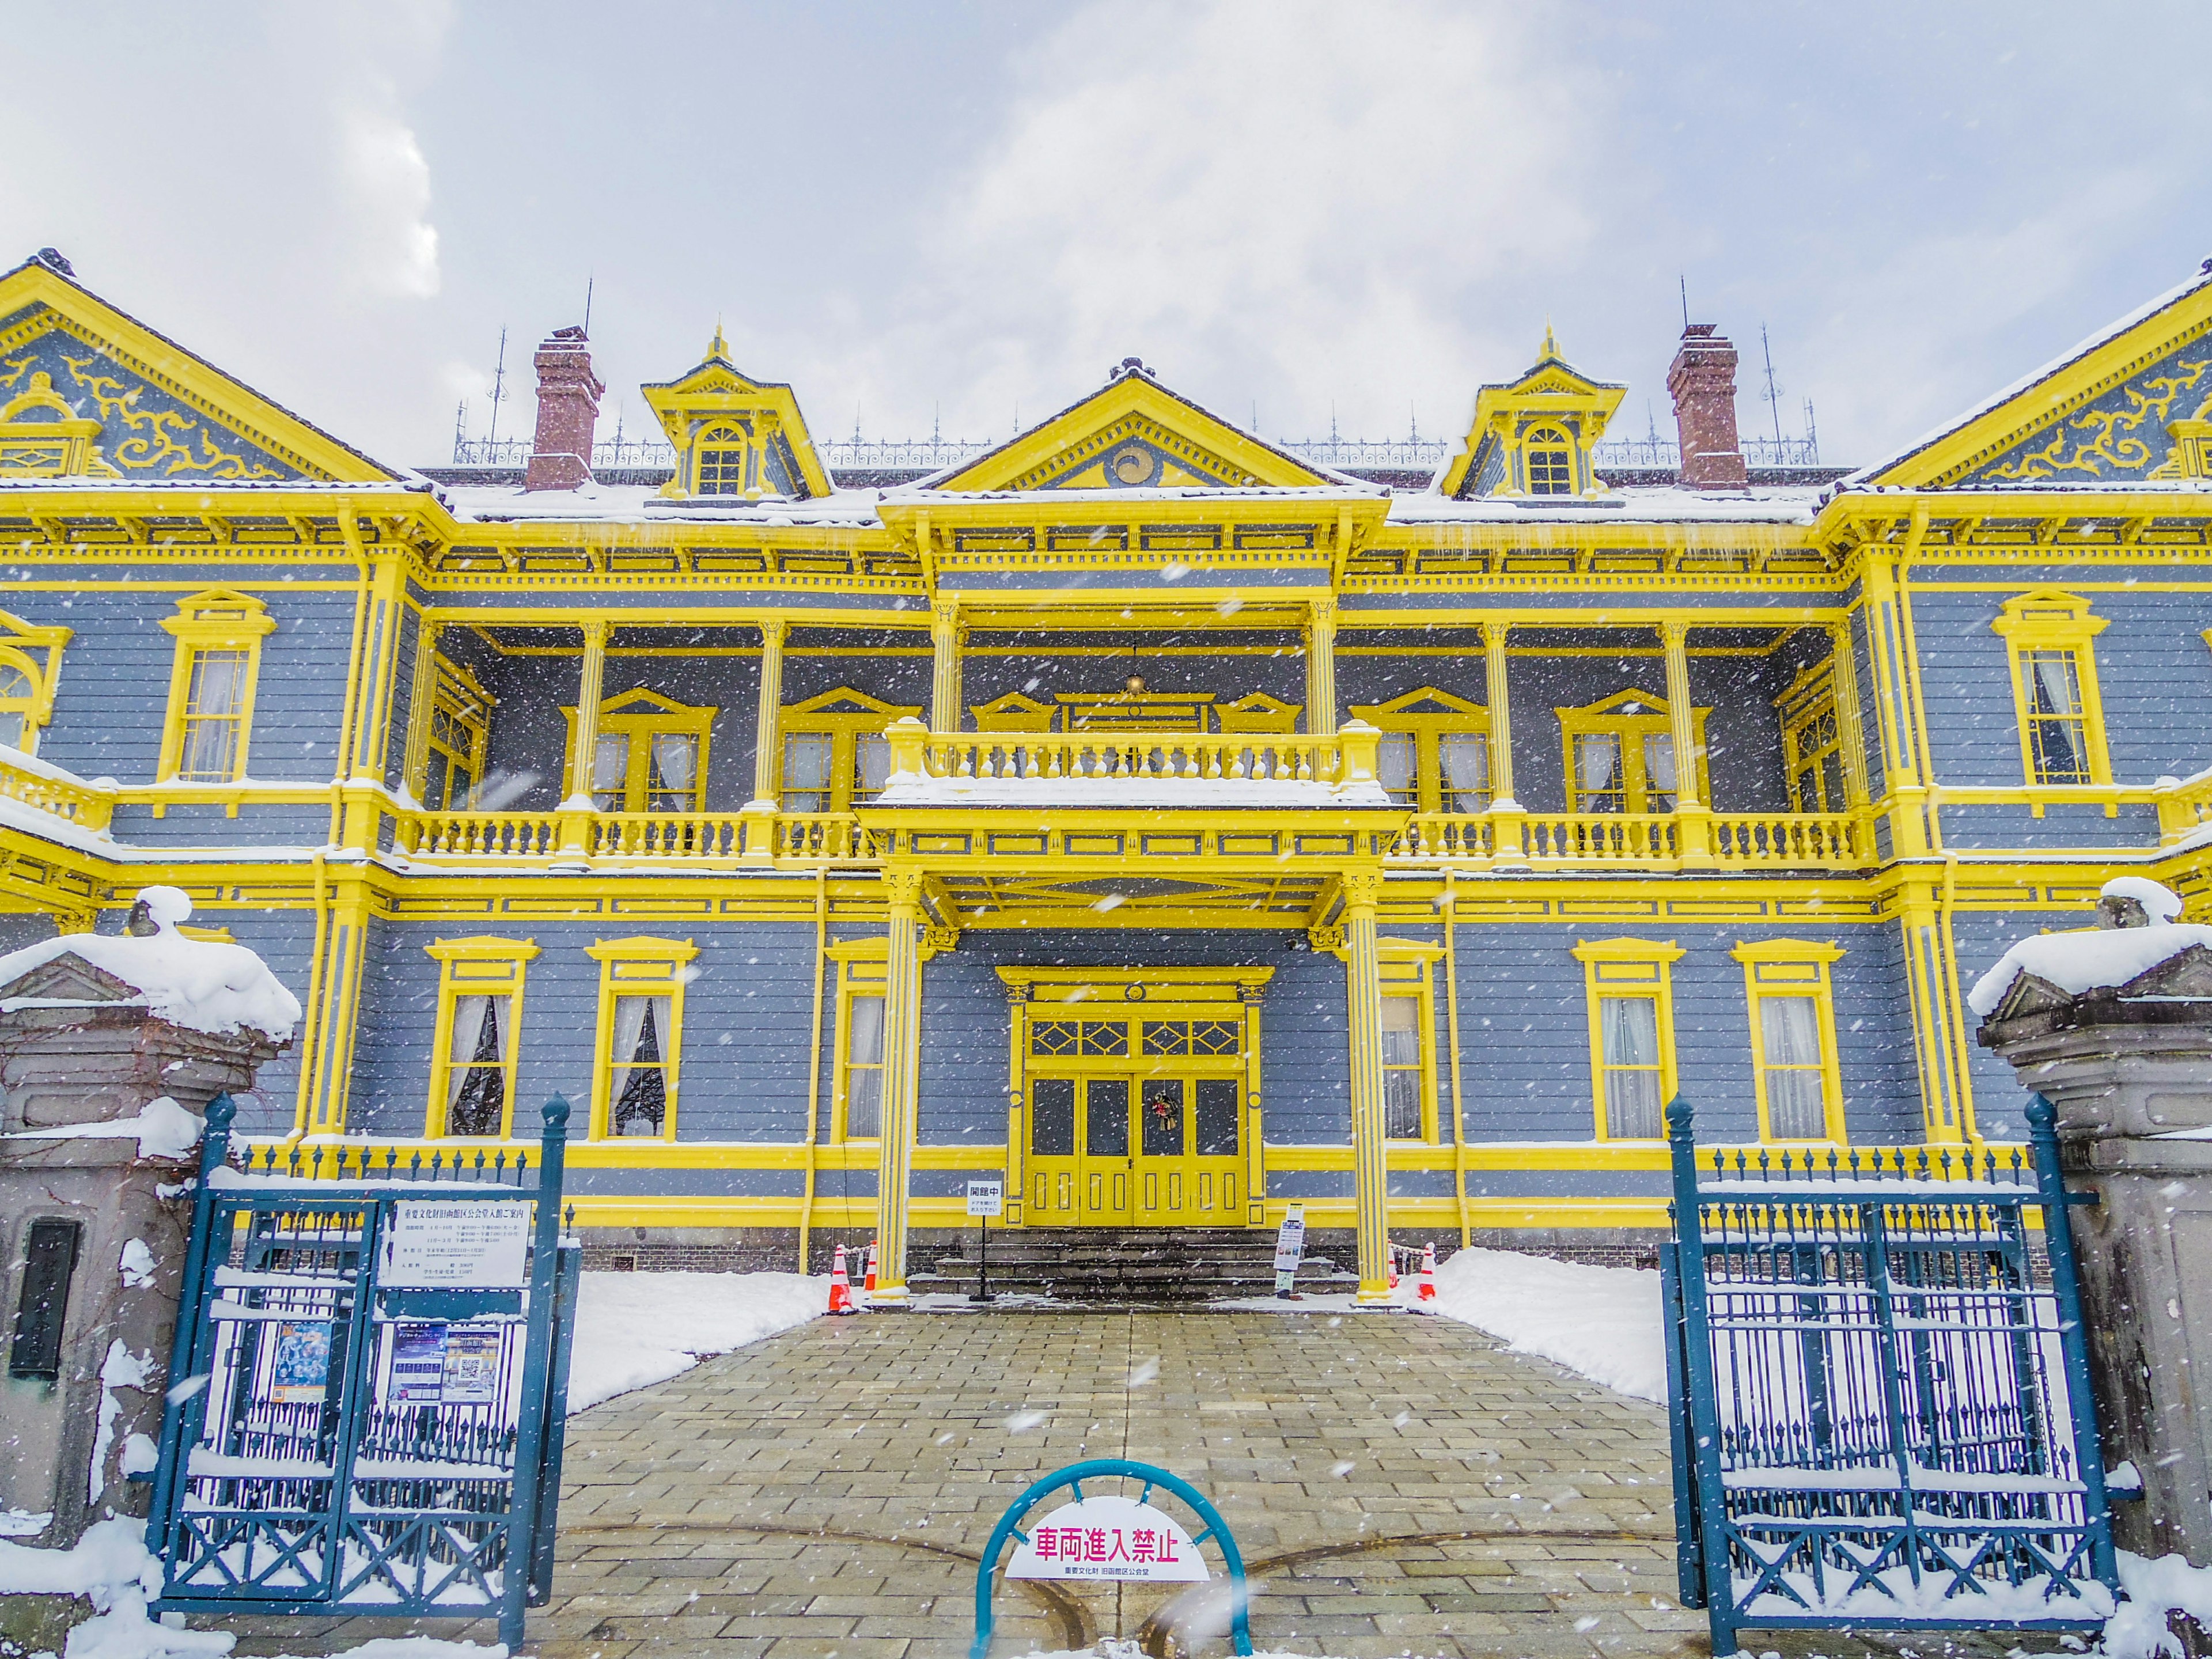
(1787, 505)
(2092, 959)
(644, 503)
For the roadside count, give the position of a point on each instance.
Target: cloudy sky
(905, 207)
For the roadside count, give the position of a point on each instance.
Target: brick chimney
(1702, 379)
(567, 410)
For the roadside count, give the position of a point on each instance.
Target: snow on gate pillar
(107, 1073)
(1363, 976)
(901, 1071)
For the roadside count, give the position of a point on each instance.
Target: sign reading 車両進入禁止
(429, 1244)
(1108, 1538)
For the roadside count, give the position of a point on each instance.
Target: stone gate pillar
(110, 1050)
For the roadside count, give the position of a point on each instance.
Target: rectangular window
(215, 712)
(1658, 772)
(871, 766)
(475, 1075)
(1465, 759)
(1551, 472)
(723, 470)
(1401, 1068)
(864, 1068)
(1394, 766)
(807, 772)
(673, 781)
(1217, 1117)
(2057, 723)
(479, 1015)
(639, 1065)
(1629, 1063)
(1629, 982)
(641, 1036)
(1599, 786)
(1790, 1034)
(610, 771)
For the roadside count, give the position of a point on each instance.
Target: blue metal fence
(342, 1436)
(1881, 1396)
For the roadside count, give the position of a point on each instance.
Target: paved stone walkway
(1399, 1486)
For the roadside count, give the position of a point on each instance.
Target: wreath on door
(1165, 1112)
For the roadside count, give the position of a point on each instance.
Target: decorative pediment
(1013, 713)
(734, 435)
(1424, 703)
(87, 392)
(643, 701)
(1533, 436)
(1255, 711)
(2186, 976)
(1132, 434)
(847, 701)
(2133, 403)
(69, 978)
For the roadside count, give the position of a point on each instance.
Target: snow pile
(162, 1129)
(2139, 1630)
(196, 983)
(1604, 1322)
(2085, 961)
(121, 1369)
(636, 1329)
(109, 1566)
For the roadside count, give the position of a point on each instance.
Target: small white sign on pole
(1290, 1248)
(1110, 1538)
(432, 1245)
(986, 1198)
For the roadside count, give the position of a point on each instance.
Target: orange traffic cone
(870, 1286)
(841, 1287)
(1391, 1251)
(1429, 1272)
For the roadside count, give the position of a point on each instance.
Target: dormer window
(1551, 462)
(721, 463)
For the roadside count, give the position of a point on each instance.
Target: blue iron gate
(369, 1383)
(1881, 1400)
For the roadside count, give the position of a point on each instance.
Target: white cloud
(1284, 200)
(386, 191)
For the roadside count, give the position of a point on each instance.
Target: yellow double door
(1128, 1148)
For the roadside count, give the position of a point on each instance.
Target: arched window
(721, 463)
(1551, 462)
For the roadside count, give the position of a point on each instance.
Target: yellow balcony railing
(1157, 762)
(635, 837)
(1639, 840)
(89, 806)
(2184, 808)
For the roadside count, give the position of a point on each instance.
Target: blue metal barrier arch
(1096, 1469)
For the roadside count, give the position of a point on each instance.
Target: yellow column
(371, 714)
(1362, 980)
(1693, 820)
(333, 1018)
(902, 1077)
(1320, 668)
(1508, 821)
(944, 678)
(591, 687)
(1844, 677)
(1940, 1020)
(1905, 781)
(420, 697)
(767, 741)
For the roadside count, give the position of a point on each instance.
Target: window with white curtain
(638, 1066)
(1598, 787)
(1629, 1065)
(1401, 1068)
(871, 765)
(1394, 756)
(1793, 1068)
(672, 785)
(1464, 757)
(475, 1075)
(864, 1068)
(806, 757)
(2058, 722)
(1658, 772)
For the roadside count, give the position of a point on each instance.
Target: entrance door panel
(1079, 1162)
(1106, 1151)
(1052, 1150)
(1188, 1173)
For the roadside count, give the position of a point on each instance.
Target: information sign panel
(1109, 1537)
(1290, 1248)
(432, 1245)
(986, 1198)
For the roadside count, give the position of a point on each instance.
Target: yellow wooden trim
(1625, 967)
(2047, 619)
(638, 715)
(638, 966)
(478, 966)
(213, 619)
(1799, 968)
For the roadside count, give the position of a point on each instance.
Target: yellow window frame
(216, 619)
(18, 639)
(2049, 620)
(481, 966)
(1549, 442)
(1788, 968)
(844, 716)
(459, 730)
(638, 967)
(863, 970)
(1629, 968)
(719, 437)
(1629, 717)
(1428, 716)
(1406, 970)
(641, 715)
(1812, 730)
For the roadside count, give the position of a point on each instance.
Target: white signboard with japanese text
(1108, 1538)
(1290, 1248)
(470, 1242)
(986, 1198)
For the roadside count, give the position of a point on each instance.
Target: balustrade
(647, 837)
(1826, 841)
(29, 781)
(1171, 758)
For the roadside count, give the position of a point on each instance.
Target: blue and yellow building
(1175, 823)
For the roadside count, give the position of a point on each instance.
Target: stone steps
(1100, 1267)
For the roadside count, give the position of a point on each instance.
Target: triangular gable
(69, 978)
(1424, 699)
(847, 701)
(2100, 413)
(1134, 433)
(88, 391)
(1552, 400)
